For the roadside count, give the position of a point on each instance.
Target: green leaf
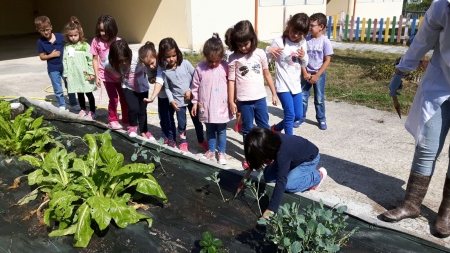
(208, 178)
(88, 183)
(122, 214)
(207, 237)
(93, 154)
(332, 248)
(37, 123)
(28, 199)
(81, 166)
(320, 229)
(5, 110)
(133, 157)
(135, 168)
(312, 225)
(62, 199)
(157, 159)
(63, 232)
(217, 243)
(341, 209)
(150, 222)
(83, 232)
(296, 247)
(286, 242)
(100, 210)
(150, 187)
(35, 177)
(33, 161)
(301, 233)
(57, 160)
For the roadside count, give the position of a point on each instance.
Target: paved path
(373, 47)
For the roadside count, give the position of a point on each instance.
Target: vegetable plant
(317, 230)
(210, 244)
(140, 151)
(24, 134)
(216, 180)
(255, 190)
(91, 188)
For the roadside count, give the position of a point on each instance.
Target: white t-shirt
(288, 66)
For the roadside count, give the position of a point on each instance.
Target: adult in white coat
(429, 118)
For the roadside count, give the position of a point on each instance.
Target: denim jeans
(300, 178)
(221, 130)
(293, 111)
(182, 122)
(55, 78)
(137, 108)
(166, 120)
(432, 141)
(115, 93)
(253, 110)
(319, 97)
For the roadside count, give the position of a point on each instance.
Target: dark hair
(299, 23)
(117, 49)
(74, 24)
(213, 46)
(260, 147)
(42, 20)
(145, 49)
(109, 25)
(243, 31)
(320, 18)
(165, 45)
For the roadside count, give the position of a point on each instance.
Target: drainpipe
(256, 17)
(354, 8)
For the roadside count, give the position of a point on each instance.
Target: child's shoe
(74, 107)
(204, 145)
(82, 113)
(114, 125)
(245, 165)
(166, 141)
(209, 155)
(323, 175)
(323, 125)
(238, 127)
(62, 108)
(91, 115)
(297, 123)
(222, 158)
(149, 136)
(184, 147)
(132, 131)
(172, 144)
(272, 128)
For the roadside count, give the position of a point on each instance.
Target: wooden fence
(381, 30)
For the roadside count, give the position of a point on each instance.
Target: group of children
(212, 93)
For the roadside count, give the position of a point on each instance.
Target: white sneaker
(62, 108)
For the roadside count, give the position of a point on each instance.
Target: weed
(255, 190)
(216, 180)
(141, 151)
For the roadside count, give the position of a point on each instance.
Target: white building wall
(378, 9)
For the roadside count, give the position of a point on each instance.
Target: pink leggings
(115, 93)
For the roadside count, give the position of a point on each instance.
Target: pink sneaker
(82, 113)
(132, 131)
(245, 165)
(204, 145)
(272, 128)
(184, 147)
(91, 115)
(323, 175)
(114, 125)
(209, 155)
(166, 141)
(222, 158)
(149, 136)
(172, 144)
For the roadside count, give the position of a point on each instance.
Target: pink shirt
(101, 49)
(210, 91)
(247, 71)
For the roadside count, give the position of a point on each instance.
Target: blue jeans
(253, 110)
(430, 146)
(300, 178)
(55, 78)
(293, 111)
(182, 123)
(166, 120)
(221, 130)
(319, 97)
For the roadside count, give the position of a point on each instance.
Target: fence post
(400, 28)
(363, 29)
(335, 21)
(386, 30)
(330, 18)
(380, 32)
(394, 22)
(420, 22)
(368, 29)
(413, 28)
(352, 28)
(346, 28)
(374, 32)
(357, 29)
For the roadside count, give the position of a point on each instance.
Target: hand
(152, 80)
(55, 53)
(149, 100)
(175, 105)
(275, 51)
(313, 79)
(307, 76)
(188, 95)
(300, 53)
(265, 214)
(396, 84)
(99, 83)
(233, 108)
(194, 110)
(274, 99)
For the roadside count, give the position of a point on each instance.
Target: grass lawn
(349, 79)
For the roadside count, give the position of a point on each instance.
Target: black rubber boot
(442, 226)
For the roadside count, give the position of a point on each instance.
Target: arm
(53, 54)
(280, 184)
(95, 66)
(326, 61)
(195, 85)
(232, 86)
(269, 81)
(273, 51)
(159, 81)
(169, 93)
(305, 58)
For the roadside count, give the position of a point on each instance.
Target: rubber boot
(442, 227)
(415, 192)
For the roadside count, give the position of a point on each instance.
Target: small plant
(216, 180)
(255, 190)
(317, 230)
(141, 151)
(24, 134)
(67, 139)
(210, 244)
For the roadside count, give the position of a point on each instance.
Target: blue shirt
(44, 46)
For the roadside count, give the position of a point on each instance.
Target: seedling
(141, 151)
(216, 180)
(255, 190)
(210, 244)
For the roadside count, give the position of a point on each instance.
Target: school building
(189, 22)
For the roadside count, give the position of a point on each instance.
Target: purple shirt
(318, 48)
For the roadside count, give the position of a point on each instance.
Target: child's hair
(117, 49)
(42, 20)
(243, 31)
(320, 18)
(74, 24)
(213, 46)
(260, 147)
(299, 22)
(165, 45)
(147, 48)
(109, 25)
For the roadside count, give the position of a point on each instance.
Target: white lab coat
(434, 87)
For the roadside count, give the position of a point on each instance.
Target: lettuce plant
(210, 244)
(24, 134)
(91, 188)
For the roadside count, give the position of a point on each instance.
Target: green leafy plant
(210, 244)
(255, 190)
(317, 230)
(24, 134)
(91, 188)
(141, 151)
(216, 180)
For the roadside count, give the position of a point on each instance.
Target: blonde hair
(42, 20)
(74, 24)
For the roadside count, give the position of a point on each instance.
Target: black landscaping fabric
(194, 206)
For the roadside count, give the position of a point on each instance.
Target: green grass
(349, 79)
